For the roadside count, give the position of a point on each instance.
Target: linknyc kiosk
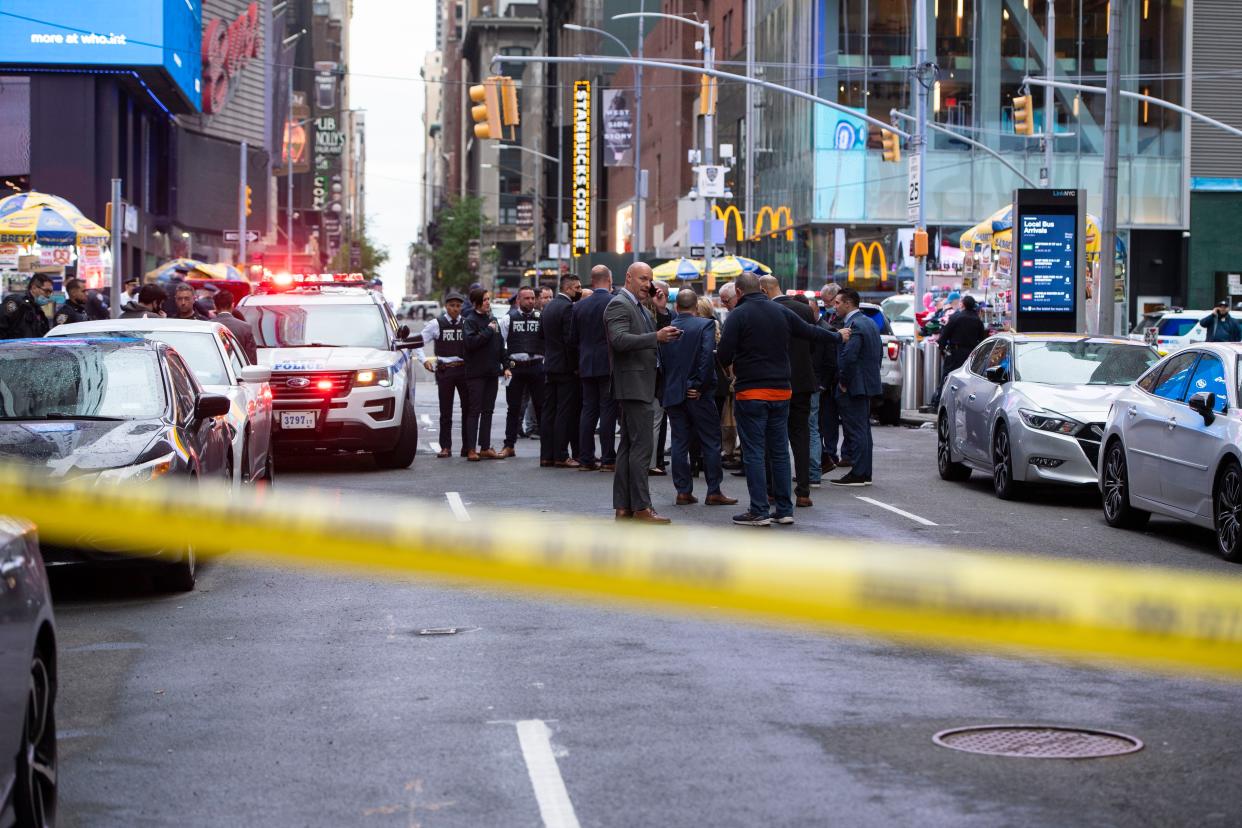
(1050, 233)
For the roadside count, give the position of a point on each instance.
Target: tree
(457, 224)
(373, 256)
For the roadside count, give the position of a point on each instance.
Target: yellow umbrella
(47, 224)
(726, 267)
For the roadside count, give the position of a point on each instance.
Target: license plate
(297, 419)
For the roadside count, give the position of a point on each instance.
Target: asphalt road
(276, 697)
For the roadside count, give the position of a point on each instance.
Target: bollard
(931, 369)
(911, 389)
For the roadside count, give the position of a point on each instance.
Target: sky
(388, 39)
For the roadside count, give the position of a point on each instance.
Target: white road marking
(425, 419)
(458, 507)
(897, 511)
(545, 777)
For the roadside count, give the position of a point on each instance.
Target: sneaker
(751, 519)
(783, 520)
(815, 484)
(851, 479)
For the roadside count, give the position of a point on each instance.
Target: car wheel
(1003, 484)
(402, 455)
(34, 796)
(1227, 507)
(179, 576)
(948, 469)
(1116, 479)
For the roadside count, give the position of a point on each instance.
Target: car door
(200, 435)
(16, 619)
(1150, 419)
(256, 403)
(959, 387)
(980, 402)
(1195, 444)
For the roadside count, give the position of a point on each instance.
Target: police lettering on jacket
(524, 335)
(450, 342)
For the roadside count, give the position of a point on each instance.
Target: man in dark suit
(562, 399)
(240, 328)
(858, 380)
(801, 385)
(598, 407)
(689, 399)
(633, 343)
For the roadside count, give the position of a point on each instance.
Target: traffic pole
(118, 280)
(920, 135)
(638, 136)
(1108, 212)
(709, 142)
(241, 208)
(1050, 118)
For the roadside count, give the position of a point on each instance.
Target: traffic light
(918, 243)
(892, 145)
(486, 111)
(249, 205)
(707, 95)
(1023, 118)
(509, 115)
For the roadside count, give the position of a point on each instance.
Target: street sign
(235, 235)
(696, 251)
(913, 196)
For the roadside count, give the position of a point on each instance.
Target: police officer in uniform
(74, 309)
(445, 334)
(21, 314)
(524, 342)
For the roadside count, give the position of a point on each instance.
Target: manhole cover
(1038, 741)
(444, 630)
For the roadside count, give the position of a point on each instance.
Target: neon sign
(580, 193)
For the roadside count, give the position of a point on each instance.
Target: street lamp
(285, 44)
(636, 230)
(709, 118)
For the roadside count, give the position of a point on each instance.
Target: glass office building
(859, 53)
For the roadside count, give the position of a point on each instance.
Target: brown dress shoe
(444, 453)
(656, 472)
(624, 514)
(507, 451)
(588, 467)
(650, 516)
(472, 456)
(608, 467)
(488, 454)
(686, 499)
(546, 464)
(720, 500)
(803, 501)
(571, 463)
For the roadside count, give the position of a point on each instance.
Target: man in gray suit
(633, 351)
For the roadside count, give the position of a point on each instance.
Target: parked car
(887, 406)
(221, 366)
(417, 311)
(1178, 329)
(1173, 446)
(27, 681)
(1030, 408)
(112, 411)
(898, 309)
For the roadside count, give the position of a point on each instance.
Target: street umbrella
(752, 266)
(20, 201)
(170, 269)
(46, 224)
(726, 267)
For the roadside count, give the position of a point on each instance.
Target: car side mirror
(211, 405)
(403, 332)
(1204, 402)
(997, 374)
(256, 374)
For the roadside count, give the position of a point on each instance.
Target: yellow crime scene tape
(1095, 613)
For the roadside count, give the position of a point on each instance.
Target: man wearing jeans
(755, 342)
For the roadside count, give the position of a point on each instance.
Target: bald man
(633, 343)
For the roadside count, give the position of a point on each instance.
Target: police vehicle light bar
(291, 281)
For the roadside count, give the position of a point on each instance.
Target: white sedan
(1173, 446)
(221, 367)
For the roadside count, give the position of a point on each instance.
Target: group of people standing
(782, 376)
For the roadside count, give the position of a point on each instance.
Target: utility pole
(638, 138)
(920, 132)
(748, 120)
(118, 257)
(560, 182)
(1050, 111)
(241, 208)
(1108, 213)
(709, 144)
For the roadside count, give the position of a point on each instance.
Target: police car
(342, 377)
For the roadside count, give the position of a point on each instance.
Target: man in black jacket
(755, 342)
(21, 314)
(599, 409)
(961, 334)
(1221, 327)
(562, 399)
(801, 384)
(74, 309)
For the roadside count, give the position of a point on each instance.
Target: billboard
(618, 128)
(164, 35)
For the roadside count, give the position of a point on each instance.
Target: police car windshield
(292, 326)
(88, 382)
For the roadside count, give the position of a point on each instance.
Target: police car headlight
(373, 376)
(149, 470)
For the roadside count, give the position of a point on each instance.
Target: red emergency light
(289, 281)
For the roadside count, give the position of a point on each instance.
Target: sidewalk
(911, 417)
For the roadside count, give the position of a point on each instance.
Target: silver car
(1030, 408)
(1173, 444)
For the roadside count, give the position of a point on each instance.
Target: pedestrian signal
(1023, 118)
(892, 145)
(249, 204)
(486, 112)
(707, 95)
(509, 115)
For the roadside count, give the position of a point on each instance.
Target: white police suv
(342, 377)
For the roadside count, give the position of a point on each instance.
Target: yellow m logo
(723, 215)
(778, 219)
(868, 250)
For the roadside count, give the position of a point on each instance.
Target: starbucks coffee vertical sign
(580, 195)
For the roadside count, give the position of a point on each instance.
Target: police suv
(342, 377)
